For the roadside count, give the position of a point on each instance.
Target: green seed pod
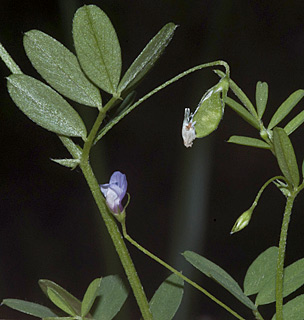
(207, 115)
(210, 109)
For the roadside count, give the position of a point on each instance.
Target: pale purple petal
(104, 188)
(121, 180)
(113, 200)
(115, 191)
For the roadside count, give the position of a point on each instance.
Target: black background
(50, 227)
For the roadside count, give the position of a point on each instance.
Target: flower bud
(242, 221)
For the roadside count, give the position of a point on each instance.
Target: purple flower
(114, 191)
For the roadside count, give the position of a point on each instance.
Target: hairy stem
(108, 218)
(281, 256)
(118, 242)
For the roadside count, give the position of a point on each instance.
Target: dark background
(180, 198)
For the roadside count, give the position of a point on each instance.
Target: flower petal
(121, 180)
(104, 188)
(113, 201)
(115, 191)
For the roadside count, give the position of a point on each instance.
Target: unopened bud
(242, 221)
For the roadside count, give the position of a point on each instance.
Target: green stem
(162, 86)
(167, 266)
(118, 242)
(90, 139)
(257, 315)
(10, 63)
(281, 255)
(108, 218)
(265, 185)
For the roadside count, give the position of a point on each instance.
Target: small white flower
(188, 130)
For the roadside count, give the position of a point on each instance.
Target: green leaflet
(60, 297)
(60, 301)
(293, 279)
(97, 47)
(285, 155)
(111, 296)
(286, 107)
(293, 309)
(45, 106)
(248, 141)
(258, 273)
(261, 97)
(69, 163)
(90, 296)
(30, 308)
(242, 112)
(294, 124)
(60, 68)
(73, 148)
(167, 298)
(147, 58)
(216, 273)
